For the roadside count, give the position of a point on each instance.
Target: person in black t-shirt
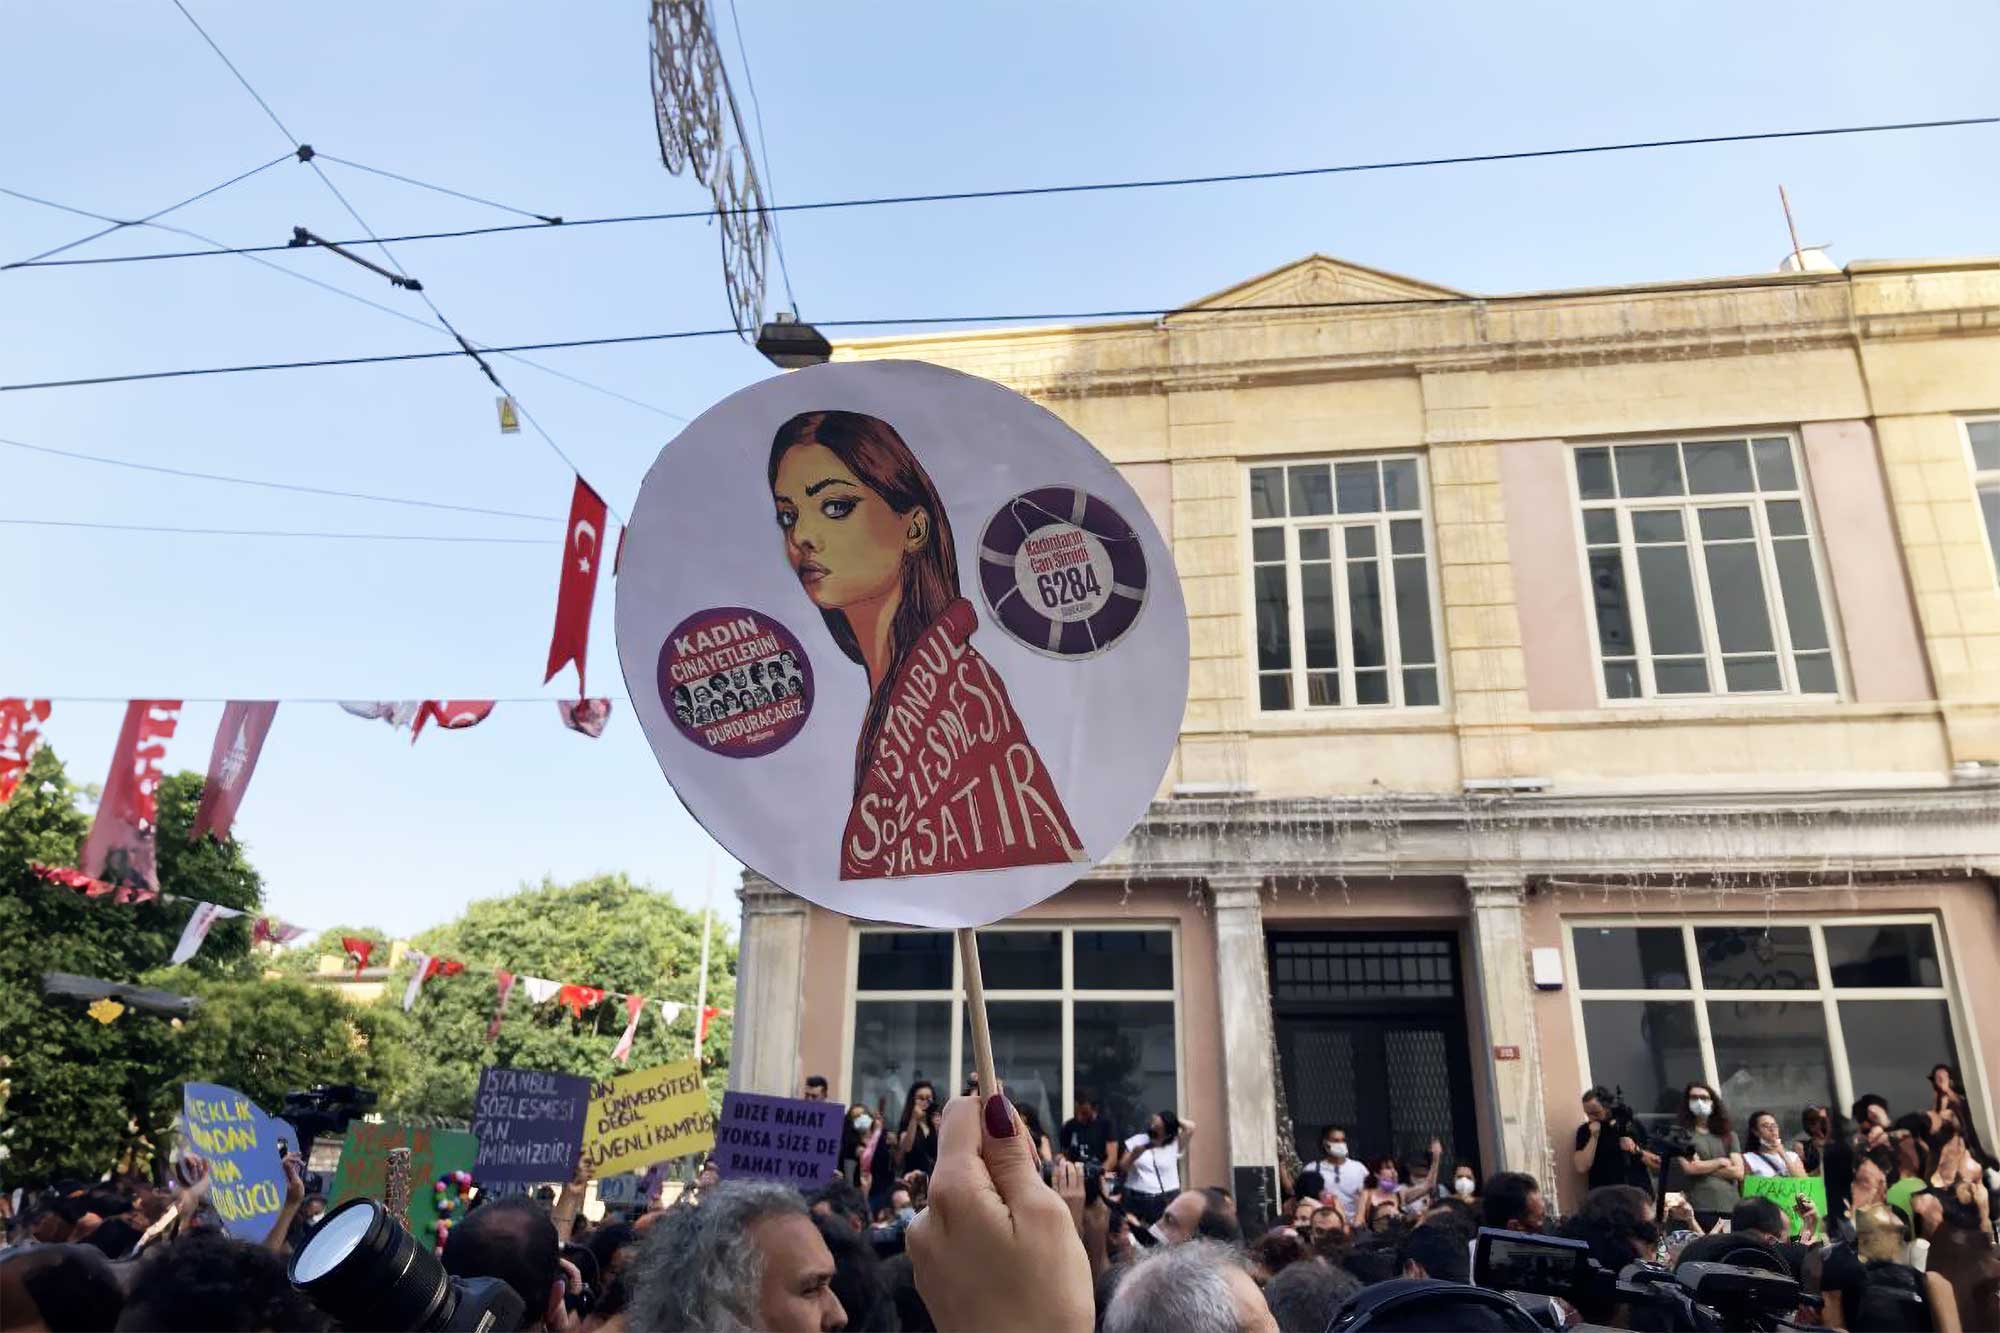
(1088, 1136)
(1609, 1154)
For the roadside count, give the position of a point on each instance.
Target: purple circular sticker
(736, 682)
(1062, 572)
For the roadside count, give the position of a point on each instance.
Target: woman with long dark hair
(1152, 1166)
(916, 1133)
(868, 536)
(1766, 1154)
(1716, 1166)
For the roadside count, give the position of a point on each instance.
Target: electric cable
(1174, 182)
(440, 189)
(117, 225)
(274, 485)
(359, 299)
(268, 532)
(1775, 282)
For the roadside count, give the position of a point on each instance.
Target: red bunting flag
(634, 1006)
(579, 998)
(20, 730)
(701, 1037)
(239, 739)
(270, 930)
(120, 848)
(585, 715)
(583, 548)
(451, 714)
(358, 950)
(505, 981)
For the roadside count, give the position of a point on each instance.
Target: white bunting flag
(420, 967)
(205, 915)
(540, 989)
(670, 1010)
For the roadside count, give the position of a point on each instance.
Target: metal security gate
(1371, 1035)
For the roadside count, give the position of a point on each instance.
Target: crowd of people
(968, 1215)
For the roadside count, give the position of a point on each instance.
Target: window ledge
(1335, 721)
(1746, 711)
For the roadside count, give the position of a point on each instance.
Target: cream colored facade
(1525, 805)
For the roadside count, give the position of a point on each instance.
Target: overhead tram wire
(269, 532)
(440, 189)
(1174, 182)
(120, 225)
(189, 474)
(920, 321)
(359, 299)
(464, 344)
(764, 153)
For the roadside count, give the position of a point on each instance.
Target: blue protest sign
(242, 1147)
(777, 1138)
(529, 1123)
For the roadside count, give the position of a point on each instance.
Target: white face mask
(1464, 1185)
(1701, 1106)
(863, 1123)
(1337, 1151)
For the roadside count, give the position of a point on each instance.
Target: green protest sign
(364, 1161)
(1784, 1191)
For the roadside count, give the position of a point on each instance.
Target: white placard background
(704, 535)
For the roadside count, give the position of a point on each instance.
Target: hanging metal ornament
(701, 132)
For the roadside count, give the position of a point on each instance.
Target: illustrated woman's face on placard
(844, 541)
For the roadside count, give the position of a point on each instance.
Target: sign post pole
(975, 1010)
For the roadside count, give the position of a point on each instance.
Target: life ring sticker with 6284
(1062, 572)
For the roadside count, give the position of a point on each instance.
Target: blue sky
(121, 109)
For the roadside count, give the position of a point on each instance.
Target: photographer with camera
(1611, 1144)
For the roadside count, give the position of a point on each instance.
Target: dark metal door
(1371, 1035)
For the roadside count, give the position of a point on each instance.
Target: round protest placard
(902, 640)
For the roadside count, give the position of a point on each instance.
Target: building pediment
(1321, 279)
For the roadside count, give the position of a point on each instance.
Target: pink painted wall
(1871, 588)
(1548, 576)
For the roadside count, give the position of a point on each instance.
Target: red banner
(239, 739)
(582, 550)
(20, 724)
(120, 849)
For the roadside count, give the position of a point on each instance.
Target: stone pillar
(770, 995)
(1243, 992)
(1507, 1002)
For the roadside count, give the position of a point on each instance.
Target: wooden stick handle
(975, 1010)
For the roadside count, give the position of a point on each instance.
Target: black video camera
(1697, 1297)
(365, 1269)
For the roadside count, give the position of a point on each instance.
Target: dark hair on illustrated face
(873, 451)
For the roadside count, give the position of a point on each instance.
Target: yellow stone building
(1594, 686)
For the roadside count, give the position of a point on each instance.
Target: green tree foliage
(606, 932)
(80, 1093)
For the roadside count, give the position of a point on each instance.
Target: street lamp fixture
(789, 344)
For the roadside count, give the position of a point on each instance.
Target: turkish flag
(583, 547)
(451, 714)
(20, 721)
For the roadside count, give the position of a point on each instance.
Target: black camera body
(1701, 1297)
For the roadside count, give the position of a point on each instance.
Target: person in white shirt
(1343, 1175)
(1152, 1166)
(1766, 1153)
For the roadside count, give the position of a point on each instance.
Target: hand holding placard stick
(975, 1011)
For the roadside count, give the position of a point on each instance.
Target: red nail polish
(999, 1117)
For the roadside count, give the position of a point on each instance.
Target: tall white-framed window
(1344, 607)
(1072, 1008)
(1982, 444)
(1774, 1014)
(1703, 568)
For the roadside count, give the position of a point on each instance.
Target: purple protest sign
(777, 1138)
(529, 1124)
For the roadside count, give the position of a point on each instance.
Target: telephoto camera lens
(366, 1270)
